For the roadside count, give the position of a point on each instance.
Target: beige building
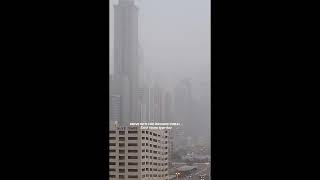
(138, 154)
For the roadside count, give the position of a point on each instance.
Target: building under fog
(126, 59)
(115, 108)
(183, 105)
(167, 113)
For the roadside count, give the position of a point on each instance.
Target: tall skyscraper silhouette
(126, 59)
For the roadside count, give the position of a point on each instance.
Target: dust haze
(174, 36)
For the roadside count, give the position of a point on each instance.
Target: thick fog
(175, 38)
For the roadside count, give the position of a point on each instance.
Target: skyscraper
(141, 67)
(183, 105)
(157, 103)
(114, 101)
(167, 108)
(153, 102)
(115, 108)
(142, 115)
(126, 58)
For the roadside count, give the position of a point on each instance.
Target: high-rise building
(158, 100)
(125, 101)
(171, 149)
(115, 108)
(142, 106)
(167, 116)
(178, 138)
(119, 100)
(183, 111)
(167, 108)
(138, 154)
(146, 94)
(141, 68)
(126, 57)
(114, 102)
(154, 103)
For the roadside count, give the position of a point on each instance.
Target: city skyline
(151, 72)
(144, 91)
(168, 41)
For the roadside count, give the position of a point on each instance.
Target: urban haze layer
(159, 74)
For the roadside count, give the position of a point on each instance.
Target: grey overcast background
(175, 37)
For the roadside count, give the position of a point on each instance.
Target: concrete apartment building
(138, 154)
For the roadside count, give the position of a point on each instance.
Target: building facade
(138, 154)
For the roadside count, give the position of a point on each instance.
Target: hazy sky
(175, 37)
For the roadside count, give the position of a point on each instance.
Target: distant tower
(167, 108)
(126, 44)
(157, 100)
(183, 105)
(126, 58)
(141, 67)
